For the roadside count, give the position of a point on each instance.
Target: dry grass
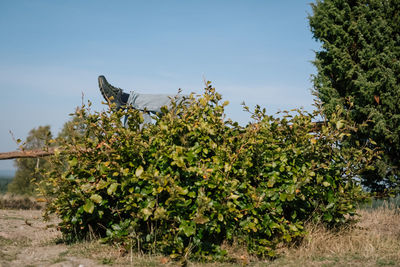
(11, 201)
(373, 241)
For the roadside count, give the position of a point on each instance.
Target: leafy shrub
(195, 179)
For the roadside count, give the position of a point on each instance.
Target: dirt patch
(26, 240)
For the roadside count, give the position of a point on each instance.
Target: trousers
(151, 103)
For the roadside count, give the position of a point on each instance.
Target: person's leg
(151, 102)
(146, 103)
(142, 102)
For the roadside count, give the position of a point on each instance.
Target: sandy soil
(26, 240)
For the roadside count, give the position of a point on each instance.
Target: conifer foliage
(359, 69)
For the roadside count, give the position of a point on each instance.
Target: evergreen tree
(28, 173)
(359, 69)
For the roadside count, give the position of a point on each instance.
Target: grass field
(374, 241)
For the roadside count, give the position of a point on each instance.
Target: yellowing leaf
(73, 162)
(89, 206)
(125, 171)
(159, 213)
(201, 219)
(326, 184)
(339, 124)
(271, 182)
(57, 152)
(101, 184)
(146, 211)
(96, 198)
(139, 171)
(112, 188)
(233, 196)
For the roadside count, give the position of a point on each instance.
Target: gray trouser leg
(150, 103)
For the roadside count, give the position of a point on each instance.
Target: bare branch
(26, 154)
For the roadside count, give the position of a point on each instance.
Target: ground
(26, 240)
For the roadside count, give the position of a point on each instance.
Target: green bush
(194, 179)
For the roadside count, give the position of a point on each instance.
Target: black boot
(112, 94)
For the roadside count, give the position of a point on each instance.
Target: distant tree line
(4, 181)
(30, 171)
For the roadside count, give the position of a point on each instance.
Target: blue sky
(256, 51)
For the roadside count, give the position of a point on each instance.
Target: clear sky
(51, 52)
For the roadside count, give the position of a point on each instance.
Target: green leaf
(89, 206)
(271, 181)
(328, 217)
(73, 162)
(191, 194)
(293, 228)
(330, 205)
(188, 228)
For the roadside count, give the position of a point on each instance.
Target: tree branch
(26, 154)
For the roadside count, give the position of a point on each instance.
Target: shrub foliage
(195, 179)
